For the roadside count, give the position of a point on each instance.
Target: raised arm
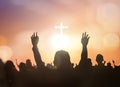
(84, 41)
(16, 63)
(37, 56)
(114, 63)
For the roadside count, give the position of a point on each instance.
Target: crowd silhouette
(63, 73)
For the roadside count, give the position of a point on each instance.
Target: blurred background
(20, 18)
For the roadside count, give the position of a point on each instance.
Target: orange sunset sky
(20, 18)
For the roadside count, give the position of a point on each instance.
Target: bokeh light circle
(5, 52)
(111, 40)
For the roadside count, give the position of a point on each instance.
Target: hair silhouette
(100, 60)
(62, 60)
(22, 67)
(11, 73)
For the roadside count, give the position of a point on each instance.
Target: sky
(20, 18)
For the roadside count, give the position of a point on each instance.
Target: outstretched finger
(85, 33)
(33, 35)
(36, 34)
(82, 35)
(88, 37)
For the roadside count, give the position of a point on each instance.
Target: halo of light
(60, 41)
(5, 52)
(111, 40)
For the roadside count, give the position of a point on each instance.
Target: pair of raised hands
(84, 40)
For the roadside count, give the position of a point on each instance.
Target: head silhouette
(1, 63)
(62, 60)
(89, 63)
(22, 67)
(10, 67)
(109, 64)
(28, 63)
(99, 59)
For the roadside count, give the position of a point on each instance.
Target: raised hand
(34, 39)
(85, 39)
(113, 62)
(84, 54)
(37, 56)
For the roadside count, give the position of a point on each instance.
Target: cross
(61, 27)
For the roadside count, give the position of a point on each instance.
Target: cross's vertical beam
(61, 27)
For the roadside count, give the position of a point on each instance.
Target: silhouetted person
(62, 60)
(22, 67)
(89, 63)
(11, 73)
(29, 65)
(109, 67)
(50, 66)
(100, 61)
(2, 74)
(85, 62)
(1, 67)
(37, 56)
(116, 67)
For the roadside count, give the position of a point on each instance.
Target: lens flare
(60, 41)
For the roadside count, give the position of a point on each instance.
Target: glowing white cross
(61, 27)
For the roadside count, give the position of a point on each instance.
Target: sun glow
(60, 41)
(5, 52)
